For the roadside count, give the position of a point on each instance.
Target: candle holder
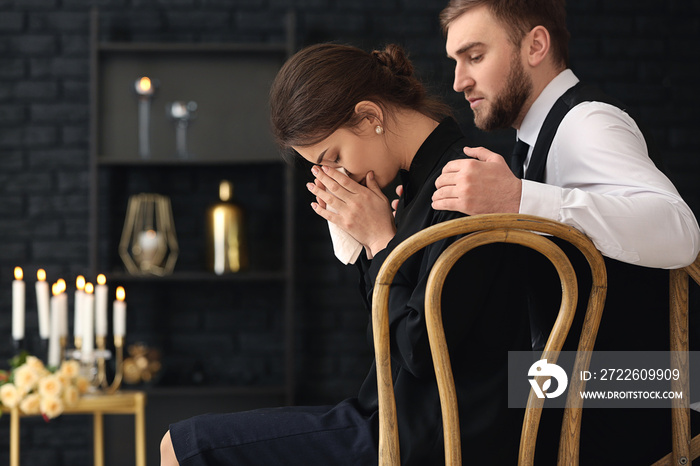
(18, 345)
(148, 244)
(62, 341)
(103, 354)
(94, 365)
(182, 113)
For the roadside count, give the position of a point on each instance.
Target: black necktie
(518, 158)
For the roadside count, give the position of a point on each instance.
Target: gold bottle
(226, 246)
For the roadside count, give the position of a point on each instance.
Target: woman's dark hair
(316, 91)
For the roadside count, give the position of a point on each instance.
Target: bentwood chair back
(685, 448)
(481, 230)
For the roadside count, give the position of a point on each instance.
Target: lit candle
(62, 299)
(18, 305)
(42, 303)
(54, 337)
(119, 311)
(145, 89)
(88, 320)
(78, 306)
(101, 306)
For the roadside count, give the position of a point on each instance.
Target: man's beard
(507, 106)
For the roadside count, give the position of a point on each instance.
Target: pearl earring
(379, 130)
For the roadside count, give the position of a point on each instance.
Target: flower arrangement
(38, 390)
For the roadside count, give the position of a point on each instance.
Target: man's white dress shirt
(600, 180)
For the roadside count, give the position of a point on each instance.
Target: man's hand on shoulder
(483, 184)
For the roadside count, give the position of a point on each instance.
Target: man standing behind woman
(582, 160)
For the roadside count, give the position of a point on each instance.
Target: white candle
(54, 343)
(42, 303)
(62, 299)
(78, 306)
(219, 241)
(101, 306)
(88, 320)
(119, 311)
(18, 292)
(144, 88)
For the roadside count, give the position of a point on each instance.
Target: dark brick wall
(647, 53)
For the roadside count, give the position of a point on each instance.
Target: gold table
(132, 402)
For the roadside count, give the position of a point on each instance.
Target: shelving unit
(229, 140)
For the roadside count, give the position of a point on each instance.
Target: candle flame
(62, 285)
(55, 289)
(18, 273)
(41, 275)
(121, 294)
(89, 288)
(101, 279)
(80, 282)
(145, 84)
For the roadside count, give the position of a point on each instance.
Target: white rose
(31, 404)
(70, 369)
(51, 406)
(50, 386)
(26, 377)
(9, 395)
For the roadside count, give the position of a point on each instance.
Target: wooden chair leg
(680, 412)
(685, 448)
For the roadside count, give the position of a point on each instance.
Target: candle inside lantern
(42, 303)
(54, 357)
(88, 321)
(18, 298)
(119, 311)
(101, 306)
(148, 242)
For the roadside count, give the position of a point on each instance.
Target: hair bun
(394, 58)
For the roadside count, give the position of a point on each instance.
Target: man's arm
(600, 181)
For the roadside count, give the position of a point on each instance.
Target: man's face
(488, 70)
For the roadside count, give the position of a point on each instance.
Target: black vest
(635, 317)
(636, 311)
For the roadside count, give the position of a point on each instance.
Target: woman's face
(358, 150)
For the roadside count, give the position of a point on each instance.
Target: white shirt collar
(534, 119)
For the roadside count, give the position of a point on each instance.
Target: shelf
(230, 86)
(230, 138)
(177, 47)
(198, 277)
(132, 162)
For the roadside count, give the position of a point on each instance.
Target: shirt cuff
(540, 199)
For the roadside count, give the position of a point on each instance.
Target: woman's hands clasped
(362, 211)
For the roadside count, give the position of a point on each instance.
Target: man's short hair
(518, 18)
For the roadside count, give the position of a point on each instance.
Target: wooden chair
(685, 448)
(481, 230)
(519, 229)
